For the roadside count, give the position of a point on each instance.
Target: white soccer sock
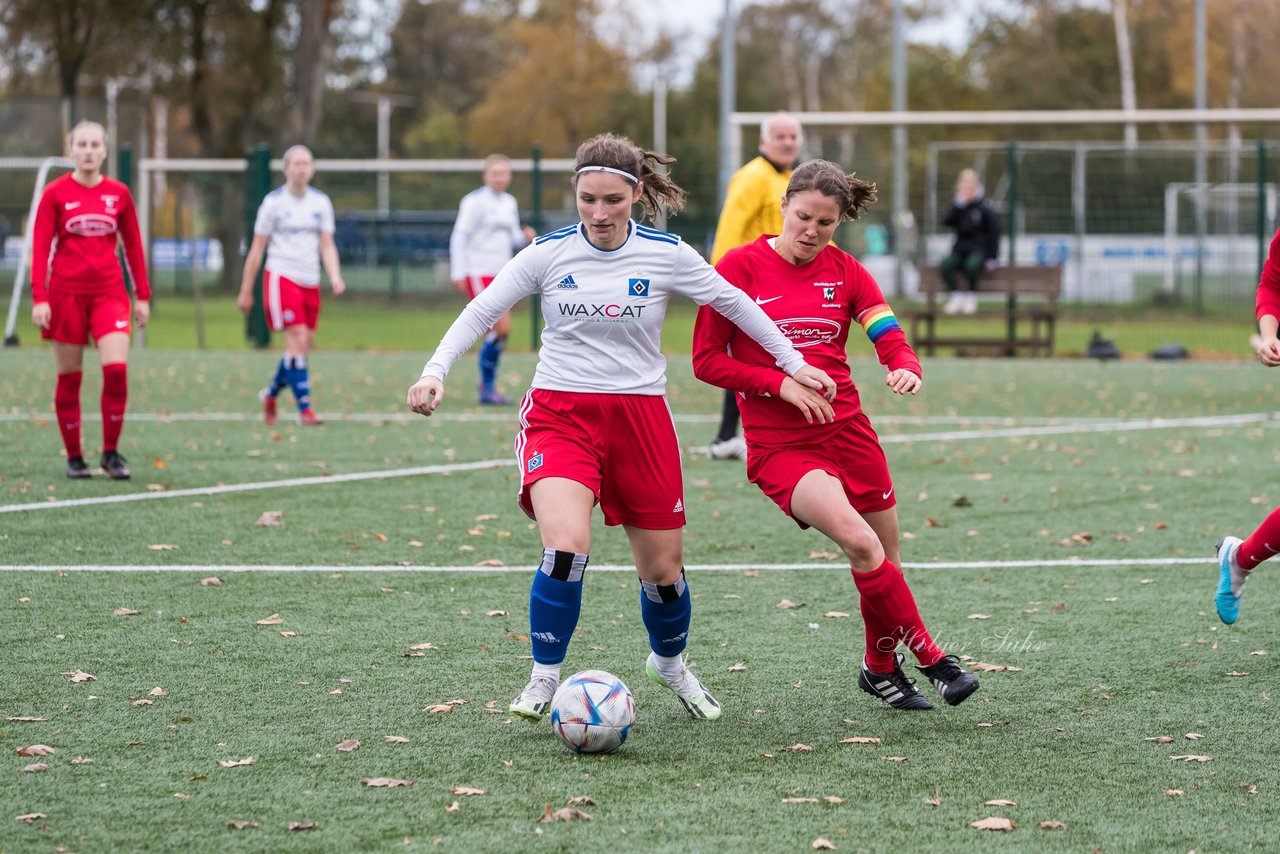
(669, 666)
(551, 671)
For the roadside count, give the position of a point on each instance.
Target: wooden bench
(1043, 285)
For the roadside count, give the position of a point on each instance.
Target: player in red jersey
(831, 476)
(1238, 558)
(79, 293)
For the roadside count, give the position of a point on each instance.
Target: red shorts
(477, 284)
(75, 318)
(852, 455)
(623, 447)
(289, 303)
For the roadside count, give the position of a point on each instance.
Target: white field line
(955, 435)
(266, 484)
(708, 567)
(505, 416)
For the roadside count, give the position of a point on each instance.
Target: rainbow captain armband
(877, 321)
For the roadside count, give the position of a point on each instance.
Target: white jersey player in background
(596, 426)
(294, 229)
(485, 235)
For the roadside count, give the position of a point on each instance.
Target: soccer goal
(42, 169)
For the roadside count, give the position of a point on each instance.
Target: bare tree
(311, 58)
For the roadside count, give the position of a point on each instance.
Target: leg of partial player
(113, 352)
(666, 610)
(1238, 558)
(563, 509)
(68, 360)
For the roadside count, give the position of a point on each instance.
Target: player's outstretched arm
(425, 395)
(1268, 346)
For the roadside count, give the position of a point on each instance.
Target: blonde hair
(86, 124)
(968, 175)
(495, 160)
(292, 150)
(852, 194)
(657, 191)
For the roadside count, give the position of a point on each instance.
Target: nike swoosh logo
(887, 494)
(764, 301)
(121, 324)
(72, 206)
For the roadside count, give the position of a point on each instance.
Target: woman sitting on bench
(977, 243)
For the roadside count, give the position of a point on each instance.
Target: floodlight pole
(728, 96)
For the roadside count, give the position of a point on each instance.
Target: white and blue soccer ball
(592, 712)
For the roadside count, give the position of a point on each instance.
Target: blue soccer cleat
(1229, 573)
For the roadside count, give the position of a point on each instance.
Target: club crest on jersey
(110, 202)
(637, 287)
(535, 462)
(828, 294)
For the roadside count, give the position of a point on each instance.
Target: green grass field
(1059, 519)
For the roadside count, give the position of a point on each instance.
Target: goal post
(43, 168)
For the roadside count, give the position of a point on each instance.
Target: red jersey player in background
(1237, 558)
(79, 291)
(829, 475)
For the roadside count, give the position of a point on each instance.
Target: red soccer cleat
(268, 407)
(308, 417)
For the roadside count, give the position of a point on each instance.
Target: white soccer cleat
(535, 699)
(733, 448)
(696, 699)
(954, 303)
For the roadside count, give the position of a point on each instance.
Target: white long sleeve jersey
(485, 235)
(604, 310)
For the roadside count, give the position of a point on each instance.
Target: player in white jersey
(596, 427)
(294, 229)
(485, 235)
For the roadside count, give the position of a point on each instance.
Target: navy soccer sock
(280, 380)
(299, 380)
(490, 353)
(554, 604)
(666, 610)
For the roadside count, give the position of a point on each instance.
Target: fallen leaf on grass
(385, 783)
(303, 825)
(241, 825)
(585, 800)
(158, 692)
(835, 615)
(81, 760)
(1000, 802)
(27, 720)
(1238, 673)
(424, 646)
(270, 519)
(466, 790)
(832, 799)
(288, 635)
(822, 843)
(439, 709)
(787, 603)
(564, 814)
(979, 616)
(823, 555)
(453, 807)
(144, 702)
(993, 823)
(273, 620)
(182, 796)
(1172, 792)
(31, 817)
(894, 758)
(984, 667)
(162, 547)
(860, 739)
(124, 612)
(935, 801)
(493, 561)
(1159, 739)
(36, 750)
(799, 800)
(395, 739)
(80, 676)
(1193, 736)
(235, 763)
(751, 573)
(347, 746)
(34, 768)
(1052, 825)
(1191, 757)
(211, 581)
(495, 613)
(737, 668)
(798, 747)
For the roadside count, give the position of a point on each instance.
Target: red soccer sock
(1262, 543)
(115, 393)
(890, 612)
(66, 405)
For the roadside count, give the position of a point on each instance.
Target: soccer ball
(592, 712)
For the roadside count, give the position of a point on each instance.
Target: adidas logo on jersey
(567, 283)
(679, 508)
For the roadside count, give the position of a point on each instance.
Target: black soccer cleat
(113, 464)
(78, 469)
(894, 688)
(953, 682)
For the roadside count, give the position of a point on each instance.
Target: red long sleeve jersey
(1269, 284)
(75, 240)
(815, 305)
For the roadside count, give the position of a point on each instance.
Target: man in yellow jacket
(752, 207)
